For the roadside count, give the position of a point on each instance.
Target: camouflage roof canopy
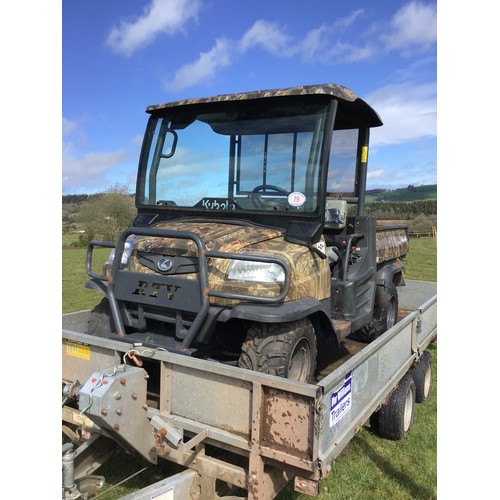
(330, 89)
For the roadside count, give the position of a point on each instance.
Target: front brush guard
(120, 278)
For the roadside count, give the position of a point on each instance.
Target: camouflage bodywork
(329, 89)
(392, 243)
(309, 273)
(332, 89)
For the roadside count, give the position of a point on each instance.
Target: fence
(424, 234)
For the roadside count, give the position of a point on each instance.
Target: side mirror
(335, 214)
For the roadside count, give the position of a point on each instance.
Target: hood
(218, 237)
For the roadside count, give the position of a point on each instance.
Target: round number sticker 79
(296, 199)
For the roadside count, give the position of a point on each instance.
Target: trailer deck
(227, 425)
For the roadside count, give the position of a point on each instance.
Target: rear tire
(395, 418)
(286, 350)
(422, 375)
(385, 312)
(101, 322)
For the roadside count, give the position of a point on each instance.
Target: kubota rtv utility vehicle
(251, 246)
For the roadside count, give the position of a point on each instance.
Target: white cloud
(89, 171)
(407, 111)
(273, 39)
(159, 17)
(315, 46)
(264, 34)
(345, 22)
(318, 45)
(399, 175)
(345, 52)
(204, 67)
(267, 35)
(414, 28)
(376, 173)
(315, 42)
(68, 127)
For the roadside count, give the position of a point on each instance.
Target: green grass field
(369, 468)
(75, 296)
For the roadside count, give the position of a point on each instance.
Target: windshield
(244, 158)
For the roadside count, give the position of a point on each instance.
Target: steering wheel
(260, 202)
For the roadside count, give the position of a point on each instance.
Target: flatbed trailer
(232, 429)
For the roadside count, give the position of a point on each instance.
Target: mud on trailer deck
(229, 426)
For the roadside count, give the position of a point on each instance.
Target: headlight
(263, 272)
(127, 252)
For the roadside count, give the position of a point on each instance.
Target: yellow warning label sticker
(78, 350)
(364, 154)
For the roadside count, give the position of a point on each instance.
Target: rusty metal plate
(288, 424)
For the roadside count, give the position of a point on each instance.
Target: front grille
(176, 265)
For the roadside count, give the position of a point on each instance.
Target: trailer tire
(422, 375)
(101, 322)
(286, 350)
(395, 417)
(385, 312)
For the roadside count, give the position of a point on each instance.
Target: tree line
(101, 216)
(82, 198)
(401, 210)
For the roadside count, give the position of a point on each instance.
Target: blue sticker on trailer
(341, 400)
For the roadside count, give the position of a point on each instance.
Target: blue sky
(119, 57)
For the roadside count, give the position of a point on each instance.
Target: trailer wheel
(395, 417)
(422, 375)
(287, 350)
(101, 322)
(385, 312)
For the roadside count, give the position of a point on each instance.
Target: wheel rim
(300, 362)
(391, 314)
(408, 413)
(427, 382)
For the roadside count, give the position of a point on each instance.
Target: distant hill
(410, 193)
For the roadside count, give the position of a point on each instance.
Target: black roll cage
(338, 109)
